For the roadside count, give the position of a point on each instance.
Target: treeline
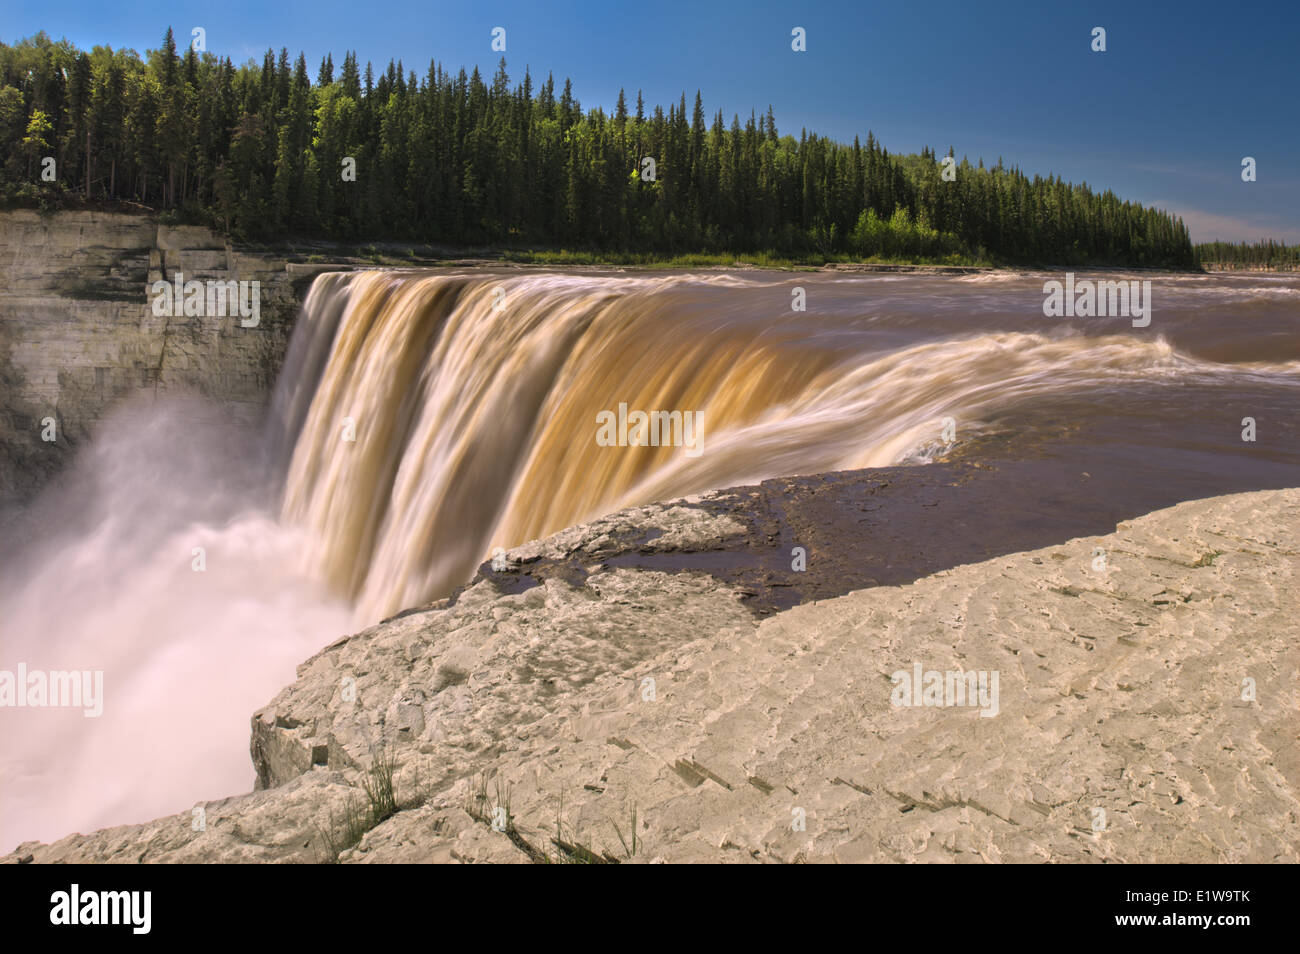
(1264, 255)
(262, 152)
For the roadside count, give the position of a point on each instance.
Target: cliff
(1145, 710)
(77, 330)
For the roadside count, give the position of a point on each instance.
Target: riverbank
(398, 255)
(1234, 267)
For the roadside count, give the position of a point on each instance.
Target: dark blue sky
(1164, 116)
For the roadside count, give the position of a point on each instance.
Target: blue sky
(1184, 91)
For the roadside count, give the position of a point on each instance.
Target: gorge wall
(78, 333)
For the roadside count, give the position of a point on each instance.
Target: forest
(264, 153)
(1266, 254)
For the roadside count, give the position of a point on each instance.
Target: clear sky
(1184, 91)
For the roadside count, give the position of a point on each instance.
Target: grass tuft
(360, 816)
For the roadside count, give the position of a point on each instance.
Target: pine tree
(454, 160)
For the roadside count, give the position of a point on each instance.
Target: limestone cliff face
(1146, 710)
(78, 333)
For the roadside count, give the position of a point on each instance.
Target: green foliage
(1267, 254)
(39, 130)
(631, 844)
(360, 816)
(898, 237)
(343, 832)
(378, 785)
(454, 160)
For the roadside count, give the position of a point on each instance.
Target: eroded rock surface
(1147, 711)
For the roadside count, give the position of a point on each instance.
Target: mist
(107, 580)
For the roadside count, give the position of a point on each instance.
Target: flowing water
(423, 419)
(473, 399)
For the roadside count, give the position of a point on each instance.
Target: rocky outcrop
(77, 331)
(1146, 710)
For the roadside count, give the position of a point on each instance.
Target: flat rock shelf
(634, 672)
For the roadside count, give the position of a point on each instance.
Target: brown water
(476, 428)
(473, 398)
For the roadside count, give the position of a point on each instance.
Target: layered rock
(77, 330)
(1147, 710)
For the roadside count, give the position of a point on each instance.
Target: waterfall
(426, 419)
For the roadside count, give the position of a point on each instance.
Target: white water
(474, 429)
(187, 656)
